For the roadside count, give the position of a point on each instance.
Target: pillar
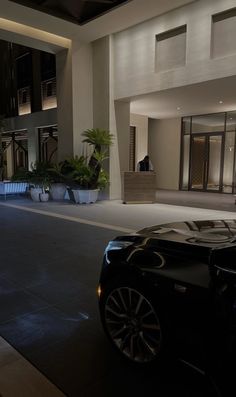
(74, 97)
(110, 114)
(82, 92)
(64, 104)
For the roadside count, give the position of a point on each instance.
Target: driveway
(50, 263)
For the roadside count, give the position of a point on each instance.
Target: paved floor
(51, 255)
(215, 201)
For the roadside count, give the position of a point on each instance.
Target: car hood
(203, 232)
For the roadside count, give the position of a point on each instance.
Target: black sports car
(171, 290)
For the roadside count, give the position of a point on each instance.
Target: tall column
(110, 114)
(64, 104)
(101, 83)
(74, 97)
(82, 92)
(86, 100)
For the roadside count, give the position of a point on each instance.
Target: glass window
(198, 162)
(214, 162)
(186, 147)
(210, 169)
(24, 96)
(208, 123)
(24, 71)
(228, 162)
(49, 88)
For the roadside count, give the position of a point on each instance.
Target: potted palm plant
(86, 176)
(58, 181)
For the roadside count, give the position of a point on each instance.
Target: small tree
(99, 139)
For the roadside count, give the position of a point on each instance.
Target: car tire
(132, 322)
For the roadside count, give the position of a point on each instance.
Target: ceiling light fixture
(178, 108)
(220, 102)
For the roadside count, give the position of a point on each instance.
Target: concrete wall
(164, 151)
(170, 51)
(115, 187)
(101, 93)
(82, 93)
(135, 51)
(223, 37)
(110, 114)
(141, 124)
(122, 112)
(64, 104)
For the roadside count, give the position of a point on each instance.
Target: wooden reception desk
(139, 187)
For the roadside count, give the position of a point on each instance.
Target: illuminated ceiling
(212, 96)
(76, 11)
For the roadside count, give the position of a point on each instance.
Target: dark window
(48, 66)
(171, 33)
(24, 70)
(24, 96)
(49, 89)
(224, 15)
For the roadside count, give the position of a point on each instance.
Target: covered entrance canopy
(203, 156)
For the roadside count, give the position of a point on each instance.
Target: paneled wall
(148, 58)
(164, 151)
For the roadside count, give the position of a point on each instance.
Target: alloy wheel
(133, 324)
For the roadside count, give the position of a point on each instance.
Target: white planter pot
(85, 196)
(57, 191)
(35, 192)
(76, 195)
(44, 197)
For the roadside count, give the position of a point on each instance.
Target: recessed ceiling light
(178, 108)
(220, 102)
(231, 118)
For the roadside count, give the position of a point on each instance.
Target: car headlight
(116, 245)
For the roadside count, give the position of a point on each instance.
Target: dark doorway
(15, 149)
(208, 155)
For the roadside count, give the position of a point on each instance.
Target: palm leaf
(97, 137)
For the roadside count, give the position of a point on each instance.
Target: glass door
(206, 162)
(198, 162)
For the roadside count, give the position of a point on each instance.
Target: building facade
(160, 77)
(28, 85)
